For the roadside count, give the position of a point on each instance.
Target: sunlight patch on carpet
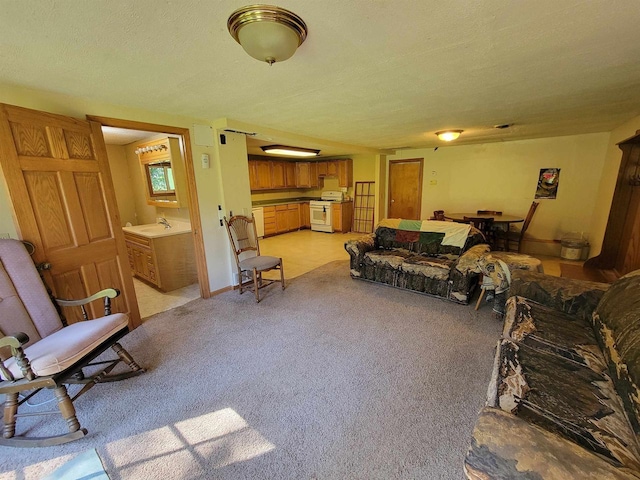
(215, 439)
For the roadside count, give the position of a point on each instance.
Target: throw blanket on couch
(455, 234)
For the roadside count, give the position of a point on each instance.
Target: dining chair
(39, 351)
(243, 237)
(438, 215)
(515, 237)
(485, 225)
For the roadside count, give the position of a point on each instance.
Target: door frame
(405, 160)
(192, 193)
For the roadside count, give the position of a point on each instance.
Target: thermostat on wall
(205, 160)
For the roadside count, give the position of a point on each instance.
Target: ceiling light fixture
(266, 32)
(449, 135)
(291, 151)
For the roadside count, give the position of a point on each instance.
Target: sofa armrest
(358, 247)
(468, 261)
(575, 297)
(505, 446)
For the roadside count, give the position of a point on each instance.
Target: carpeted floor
(332, 378)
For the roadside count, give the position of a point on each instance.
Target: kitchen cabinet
(305, 215)
(341, 216)
(345, 172)
(303, 174)
(270, 221)
(167, 262)
(278, 175)
(290, 174)
(293, 216)
(332, 168)
(282, 218)
(322, 169)
(260, 177)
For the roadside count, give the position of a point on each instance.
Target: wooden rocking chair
(45, 353)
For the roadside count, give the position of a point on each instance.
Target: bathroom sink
(153, 230)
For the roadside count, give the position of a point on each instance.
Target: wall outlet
(433, 182)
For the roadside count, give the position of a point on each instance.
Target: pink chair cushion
(64, 348)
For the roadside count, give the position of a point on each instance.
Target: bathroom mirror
(160, 171)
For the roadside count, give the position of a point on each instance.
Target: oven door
(320, 216)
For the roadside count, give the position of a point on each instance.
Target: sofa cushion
(435, 267)
(563, 397)
(507, 447)
(617, 322)
(555, 332)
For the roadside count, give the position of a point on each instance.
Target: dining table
(502, 220)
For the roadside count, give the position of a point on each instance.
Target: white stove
(320, 210)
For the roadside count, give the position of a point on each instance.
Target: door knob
(393, 201)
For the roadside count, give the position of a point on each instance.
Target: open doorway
(157, 203)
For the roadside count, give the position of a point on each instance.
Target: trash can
(572, 248)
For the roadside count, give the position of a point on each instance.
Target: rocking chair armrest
(107, 294)
(15, 342)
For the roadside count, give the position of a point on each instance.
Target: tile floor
(301, 252)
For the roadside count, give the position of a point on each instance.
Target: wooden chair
(485, 225)
(438, 215)
(45, 352)
(514, 237)
(243, 237)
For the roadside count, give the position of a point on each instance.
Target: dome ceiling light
(266, 32)
(449, 135)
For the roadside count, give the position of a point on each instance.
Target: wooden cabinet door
(282, 219)
(290, 174)
(278, 174)
(253, 175)
(293, 216)
(332, 168)
(305, 215)
(263, 173)
(345, 173)
(313, 175)
(303, 174)
(336, 217)
(322, 169)
(60, 185)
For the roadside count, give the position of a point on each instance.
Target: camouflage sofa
(564, 397)
(427, 256)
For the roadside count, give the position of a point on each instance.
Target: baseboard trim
(222, 290)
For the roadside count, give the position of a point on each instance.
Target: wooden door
(60, 186)
(405, 188)
(628, 256)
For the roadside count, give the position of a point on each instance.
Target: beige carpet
(332, 378)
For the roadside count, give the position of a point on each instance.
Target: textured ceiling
(375, 73)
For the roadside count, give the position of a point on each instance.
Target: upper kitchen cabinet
(260, 174)
(306, 174)
(163, 170)
(281, 174)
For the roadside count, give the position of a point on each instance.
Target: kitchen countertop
(282, 201)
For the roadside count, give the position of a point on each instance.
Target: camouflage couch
(426, 256)
(564, 397)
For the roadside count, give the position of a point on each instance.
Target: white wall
(503, 176)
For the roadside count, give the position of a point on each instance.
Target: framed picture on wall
(548, 183)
